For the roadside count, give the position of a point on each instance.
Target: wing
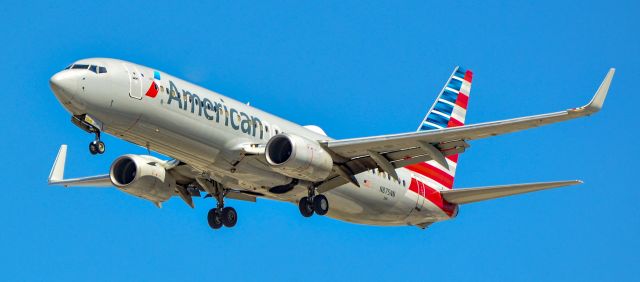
(183, 173)
(388, 152)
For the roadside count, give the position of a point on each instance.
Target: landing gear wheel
(97, 147)
(229, 217)
(320, 204)
(93, 148)
(306, 209)
(214, 219)
(101, 147)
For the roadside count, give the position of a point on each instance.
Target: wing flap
(471, 195)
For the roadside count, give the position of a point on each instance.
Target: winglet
(57, 171)
(598, 99)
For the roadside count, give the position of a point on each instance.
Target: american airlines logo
(212, 110)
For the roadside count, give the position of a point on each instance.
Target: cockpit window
(82, 67)
(93, 68)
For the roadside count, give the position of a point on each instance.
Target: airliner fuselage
(208, 131)
(229, 149)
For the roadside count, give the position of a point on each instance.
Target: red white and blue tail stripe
(449, 110)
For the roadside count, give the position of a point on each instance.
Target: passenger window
(102, 70)
(161, 88)
(93, 68)
(404, 183)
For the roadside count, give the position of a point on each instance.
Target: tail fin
(449, 110)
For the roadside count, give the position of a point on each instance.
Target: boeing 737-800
(223, 148)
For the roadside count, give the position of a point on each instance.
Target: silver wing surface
(388, 152)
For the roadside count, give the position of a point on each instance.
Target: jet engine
(142, 176)
(298, 157)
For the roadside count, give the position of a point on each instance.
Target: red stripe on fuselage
(432, 172)
(434, 197)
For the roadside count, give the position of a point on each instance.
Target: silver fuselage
(180, 122)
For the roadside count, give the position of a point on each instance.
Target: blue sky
(355, 69)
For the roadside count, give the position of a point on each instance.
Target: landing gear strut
(96, 146)
(313, 204)
(221, 215)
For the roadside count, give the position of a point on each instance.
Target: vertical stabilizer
(449, 110)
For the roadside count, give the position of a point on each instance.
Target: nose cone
(63, 82)
(65, 86)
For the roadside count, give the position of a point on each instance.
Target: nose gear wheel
(96, 147)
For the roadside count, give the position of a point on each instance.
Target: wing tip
(57, 171)
(596, 103)
(574, 182)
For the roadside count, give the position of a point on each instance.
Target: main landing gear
(313, 204)
(221, 215)
(96, 146)
(218, 217)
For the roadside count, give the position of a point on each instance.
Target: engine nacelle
(298, 157)
(142, 176)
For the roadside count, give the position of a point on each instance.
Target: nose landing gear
(96, 146)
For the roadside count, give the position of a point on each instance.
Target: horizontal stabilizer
(471, 195)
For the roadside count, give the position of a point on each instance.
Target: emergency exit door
(135, 86)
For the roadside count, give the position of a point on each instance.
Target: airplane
(226, 149)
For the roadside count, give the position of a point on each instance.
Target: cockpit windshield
(93, 68)
(82, 67)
